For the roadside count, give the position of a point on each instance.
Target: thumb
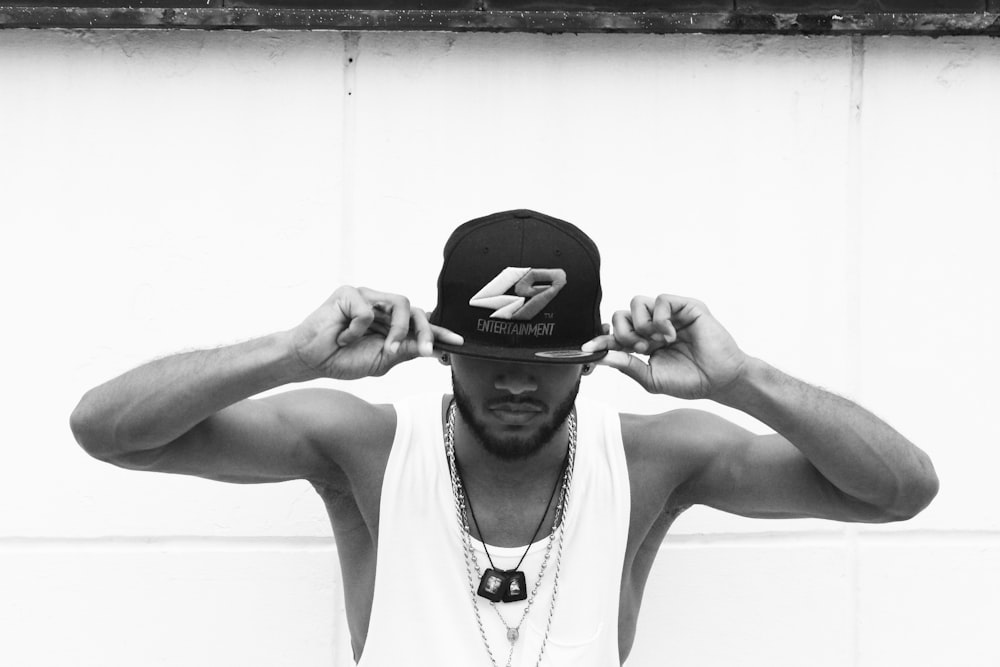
(630, 365)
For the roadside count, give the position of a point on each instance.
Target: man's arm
(190, 413)
(829, 458)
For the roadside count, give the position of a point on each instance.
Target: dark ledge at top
(862, 17)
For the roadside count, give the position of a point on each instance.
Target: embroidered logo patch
(533, 290)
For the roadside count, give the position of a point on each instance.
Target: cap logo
(533, 290)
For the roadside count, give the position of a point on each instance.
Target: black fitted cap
(520, 286)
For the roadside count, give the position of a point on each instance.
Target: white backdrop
(831, 199)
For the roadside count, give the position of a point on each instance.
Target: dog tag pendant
(493, 586)
(516, 588)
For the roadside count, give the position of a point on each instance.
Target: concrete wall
(832, 200)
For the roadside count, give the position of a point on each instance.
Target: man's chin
(513, 442)
(511, 448)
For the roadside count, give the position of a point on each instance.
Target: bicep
(760, 476)
(293, 435)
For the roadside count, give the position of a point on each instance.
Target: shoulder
(666, 450)
(337, 422)
(683, 432)
(331, 407)
(684, 429)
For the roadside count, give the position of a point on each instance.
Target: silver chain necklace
(557, 537)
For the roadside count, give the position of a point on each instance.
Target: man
(509, 523)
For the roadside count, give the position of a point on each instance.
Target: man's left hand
(690, 354)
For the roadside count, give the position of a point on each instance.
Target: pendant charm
(503, 586)
(516, 588)
(493, 585)
(512, 635)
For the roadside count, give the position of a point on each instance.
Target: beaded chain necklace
(556, 538)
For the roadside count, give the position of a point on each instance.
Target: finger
(641, 308)
(397, 307)
(662, 319)
(684, 311)
(605, 342)
(399, 324)
(625, 334)
(424, 334)
(379, 328)
(630, 365)
(446, 335)
(408, 349)
(421, 341)
(358, 312)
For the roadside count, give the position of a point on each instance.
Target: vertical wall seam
(352, 48)
(852, 539)
(343, 652)
(854, 224)
(855, 252)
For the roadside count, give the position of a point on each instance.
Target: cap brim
(525, 355)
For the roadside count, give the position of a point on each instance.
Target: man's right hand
(360, 332)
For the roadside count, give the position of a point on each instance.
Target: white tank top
(422, 610)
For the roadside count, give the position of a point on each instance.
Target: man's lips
(515, 413)
(515, 406)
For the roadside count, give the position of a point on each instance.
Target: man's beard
(512, 448)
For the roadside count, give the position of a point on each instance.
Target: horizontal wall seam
(191, 543)
(327, 544)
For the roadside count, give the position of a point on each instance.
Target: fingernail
(641, 346)
(394, 347)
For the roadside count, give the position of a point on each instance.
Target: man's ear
(445, 359)
(588, 368)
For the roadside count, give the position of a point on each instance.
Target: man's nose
(515, 381)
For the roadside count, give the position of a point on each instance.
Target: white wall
(831, 200)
